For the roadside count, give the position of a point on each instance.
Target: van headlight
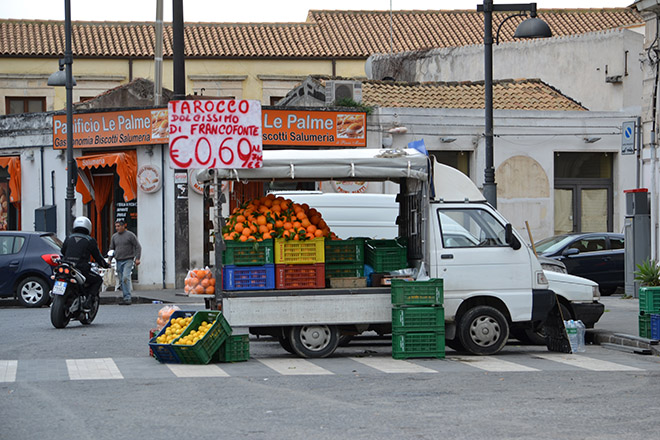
(540, 278)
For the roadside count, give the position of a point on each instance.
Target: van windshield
(470, 228)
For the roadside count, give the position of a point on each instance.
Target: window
(616, 243)
(11, 245)
(589, 244)
(470, 228)
(275, 99)
(25, 105)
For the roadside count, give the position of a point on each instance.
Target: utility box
(637, 235)
(45, 219)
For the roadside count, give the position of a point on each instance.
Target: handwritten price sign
(224, 133)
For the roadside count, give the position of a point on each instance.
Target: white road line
(8, 371)
(91, 369)
(587, 363)
(294, 367)
(187, 370)
(389, 365)
(492, 364)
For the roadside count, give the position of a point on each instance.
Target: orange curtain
(126, 165)
(102, 188)
(13, 165)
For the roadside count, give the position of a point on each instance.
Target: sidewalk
(618, 326)
(166, 296)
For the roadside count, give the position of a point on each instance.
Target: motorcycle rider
(77, 249)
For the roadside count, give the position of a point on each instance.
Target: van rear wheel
(483, 330)
(314, 341)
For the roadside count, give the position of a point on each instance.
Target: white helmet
(83, 222)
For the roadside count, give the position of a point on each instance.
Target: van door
(472, 256)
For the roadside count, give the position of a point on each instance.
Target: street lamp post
(530, 28)
(67, 80)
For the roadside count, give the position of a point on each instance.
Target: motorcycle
(69, 296)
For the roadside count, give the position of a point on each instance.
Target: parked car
(597, 256)
(26, 262)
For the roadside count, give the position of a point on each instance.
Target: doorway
(583, 192)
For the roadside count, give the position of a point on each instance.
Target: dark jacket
(78, 248)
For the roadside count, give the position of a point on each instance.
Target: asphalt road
(360, 393)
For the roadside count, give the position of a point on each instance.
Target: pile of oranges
(275, 217)
(174, 330)
(200, 282)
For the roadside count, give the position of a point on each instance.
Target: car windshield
(53, 241)
(552, 244)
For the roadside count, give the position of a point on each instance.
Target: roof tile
(339, 34)
(523, 94)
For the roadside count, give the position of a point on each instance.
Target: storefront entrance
(583, 192)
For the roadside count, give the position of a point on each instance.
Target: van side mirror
(511, 239)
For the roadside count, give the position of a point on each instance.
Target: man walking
(127, 248)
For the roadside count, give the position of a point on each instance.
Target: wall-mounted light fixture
(447, 140)
(591, 139)
(398, 130)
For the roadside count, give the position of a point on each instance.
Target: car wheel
(537, 334)
(455, 345)
(314, 341)
(33, 292)
(483, 330)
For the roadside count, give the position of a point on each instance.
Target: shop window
(18, 105)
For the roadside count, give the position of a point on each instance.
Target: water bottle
(571, 332)
(581, 331)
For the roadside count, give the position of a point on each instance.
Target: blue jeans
(124, 270)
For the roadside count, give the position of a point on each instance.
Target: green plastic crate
(235, 349)
(202, 351)
(418, 319)
(417, 293)
(344, 270)
(645, 326)
(252, 253)
(649, 299)
(385, 255)
(418, 345)
(344, 251)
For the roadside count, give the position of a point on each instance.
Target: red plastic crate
(300, 276)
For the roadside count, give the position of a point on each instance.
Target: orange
(247, 231)
(243, 238)
(305, 223)
(205, 282)
(210, 290)
(199, 289)
(239, 227)
(240, 218)
(263, 229)
(318, 233)
(261, 220)
(311, 229)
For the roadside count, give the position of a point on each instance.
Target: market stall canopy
(341, 164)
(13, 165)
(126, 163)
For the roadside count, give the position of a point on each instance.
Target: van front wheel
(483, 330)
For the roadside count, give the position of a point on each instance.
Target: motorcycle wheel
(86, 318)
(58, 312)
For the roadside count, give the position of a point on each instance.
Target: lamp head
(533, 28)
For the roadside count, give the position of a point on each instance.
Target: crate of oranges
(161, 344)
(200, 282)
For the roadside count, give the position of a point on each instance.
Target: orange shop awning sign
(113, 129)
(314, 128)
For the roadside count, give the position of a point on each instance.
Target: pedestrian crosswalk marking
(90, 369)
(183, 370)
(294, 367)
(587, 363)
(389, 365)
(493, 364)
(8, 371)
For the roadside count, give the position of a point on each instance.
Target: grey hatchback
(597, 256)
(26, 264)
